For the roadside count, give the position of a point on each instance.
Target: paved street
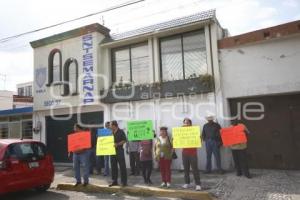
(64, 195)
(265, 185)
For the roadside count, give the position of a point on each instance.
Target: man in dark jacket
(119, 158)
(213, 142)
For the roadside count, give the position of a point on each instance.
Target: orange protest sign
(233, 135)
(79, 141)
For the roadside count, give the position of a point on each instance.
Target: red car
(24, 164)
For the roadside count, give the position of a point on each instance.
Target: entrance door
(57, 132)
(275, 140)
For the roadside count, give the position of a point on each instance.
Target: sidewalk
(265, 184)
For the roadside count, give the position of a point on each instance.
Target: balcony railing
(124, 93)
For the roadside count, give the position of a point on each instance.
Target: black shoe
(76, 184)
(207, 172)
(150, 182)
(221, 171)
(85, 184)
(124, 184)
(238, 174)
(113, 184)
(248, 176)
(131, 174)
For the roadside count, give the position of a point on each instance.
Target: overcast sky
(18, 16)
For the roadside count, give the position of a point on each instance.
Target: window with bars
(4, 130)
(21, 91)
(71, 77)
(183, 56)
(54, 66)
(28, 91)
(131, 64)
(14, 129)
(27, 129)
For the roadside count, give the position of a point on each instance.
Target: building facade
(15, 115)
(16, 123)
(25, 89)
(6, 99)
(260, 72)
(164, 73)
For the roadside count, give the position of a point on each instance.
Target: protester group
(161, 149)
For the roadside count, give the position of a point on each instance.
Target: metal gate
(274, 142)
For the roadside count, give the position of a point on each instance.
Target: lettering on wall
(88, 69)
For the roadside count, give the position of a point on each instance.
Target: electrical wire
(71, 20)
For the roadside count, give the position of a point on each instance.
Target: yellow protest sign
(186, 137)
(105, 146)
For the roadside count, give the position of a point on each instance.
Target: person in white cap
(213, 142)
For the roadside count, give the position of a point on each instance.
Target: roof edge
(110, 42)
(95, 27)
(274, 32)
(204, 15)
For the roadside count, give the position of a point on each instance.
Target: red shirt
(189, 151)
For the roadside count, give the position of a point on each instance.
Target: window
(122, 66)
(24, 151)
(28, 91)
(131, 64)
(183, 56)
(4, 130)
(140, 64)
(171, 59)
(27, 129)
(70, 77)
(14, 129)
(21, 91)
(54, 66)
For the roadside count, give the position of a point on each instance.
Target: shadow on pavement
(32, 195)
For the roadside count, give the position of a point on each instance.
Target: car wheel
(43, 188)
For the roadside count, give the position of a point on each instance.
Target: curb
(140, 191)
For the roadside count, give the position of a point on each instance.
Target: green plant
(207, 79)
(157, 85)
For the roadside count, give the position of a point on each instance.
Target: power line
(10, 47)
(117, 23)
(156, 13)
(3, 40)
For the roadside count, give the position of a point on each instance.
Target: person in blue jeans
(106, 166)
(102, 161)
(81, 158)
(213, 142)
(106, 158)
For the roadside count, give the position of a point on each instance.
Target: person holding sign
(105, 147)
(145, 157)
(239, 153)
(163, 154)
(119, 158)
(190, 159)
(213, 142)
(81, 157)
(106, 158)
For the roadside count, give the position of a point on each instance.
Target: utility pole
(3, 78)
(102, 20)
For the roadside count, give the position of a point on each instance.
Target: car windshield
(25, 151)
